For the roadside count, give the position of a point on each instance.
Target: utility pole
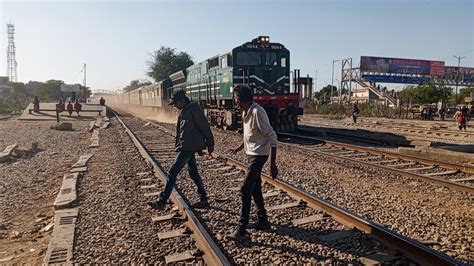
(315, 83)
(11, 60)
(332, 79)
(84, 82)
(457, 77)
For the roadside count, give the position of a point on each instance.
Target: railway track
(414, 133)
(455, 176)
(306, 228)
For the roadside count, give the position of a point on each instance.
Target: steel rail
(388, 125)
(441, 181)
(212, 253)
(464, 168)
(409, 247)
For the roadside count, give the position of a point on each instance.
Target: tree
(323, 94)
(167, 61)
(84, 92)
(426, 93)
(465, 92)
(51, 89)
(135, 84)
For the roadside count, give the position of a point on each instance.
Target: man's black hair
(244, 92)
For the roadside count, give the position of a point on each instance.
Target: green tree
(135, 84)
(51, 89)
(84, 92)
(323, 94)
(465, 92)
(426, 93)
(167, 61)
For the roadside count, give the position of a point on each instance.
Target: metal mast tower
(11, 61)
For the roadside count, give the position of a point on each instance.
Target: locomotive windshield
(249, 58)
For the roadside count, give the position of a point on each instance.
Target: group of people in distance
(194, 135)
(61, 107)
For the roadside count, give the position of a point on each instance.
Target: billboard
(70, 88)
(461, 74)
(401, 66)
(396, 79)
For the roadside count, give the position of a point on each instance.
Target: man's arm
(203, 125)
(264, 126)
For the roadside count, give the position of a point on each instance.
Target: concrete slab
(152, 194)
(179, 257)
(6, 153)
(82, 160)
(471, 178)
(94, 144)
(271, 194)
(67, 194)
(335, 236)
(105, 125)
(378, 259)
(307, 220)
(89, 112)
(61, 243)
(148, 186)
(163, 217)
(171, 234)
(78, 169)
(284, 206)
(450, 172)
(420, 168)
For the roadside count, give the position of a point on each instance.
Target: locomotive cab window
(249, 58)
(283, 62)
(271, 59)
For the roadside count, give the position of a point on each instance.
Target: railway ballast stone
(63, 126)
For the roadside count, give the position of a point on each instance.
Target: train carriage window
(283, 62)
(214, 62)
(229, 60)
(224, 62)
(271, 59)
(249, 58)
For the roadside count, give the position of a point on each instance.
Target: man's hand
(200, 153)
(274, 171)
(236, 150)
(210, 149)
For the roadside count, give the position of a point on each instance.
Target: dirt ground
(29, 185)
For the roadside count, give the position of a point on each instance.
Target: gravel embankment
(29, 185)
(114, 224)
(286, 243)
(415, 209)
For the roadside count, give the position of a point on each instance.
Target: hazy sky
(114, 38)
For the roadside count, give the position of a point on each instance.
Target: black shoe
(238, 234)
(201, 204)
(159, 204)
(260, 225)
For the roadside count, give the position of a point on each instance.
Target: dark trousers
(183, 158)
(252, 187)
(354, 117)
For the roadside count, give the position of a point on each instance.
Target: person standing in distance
(193, 134)
(260, 140)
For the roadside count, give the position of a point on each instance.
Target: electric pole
(332, 79)
(457, 77)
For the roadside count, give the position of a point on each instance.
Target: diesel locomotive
(260, 64)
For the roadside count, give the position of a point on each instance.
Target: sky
(115, 38)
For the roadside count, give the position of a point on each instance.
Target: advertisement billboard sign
(401, 66)
(396, 79)
(70, 88)
(461, 74)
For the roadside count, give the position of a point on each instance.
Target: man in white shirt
(260, 140)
